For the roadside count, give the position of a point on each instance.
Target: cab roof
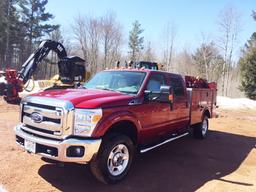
(142, 70)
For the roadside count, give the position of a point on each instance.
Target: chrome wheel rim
(118, 159)
(204, 127)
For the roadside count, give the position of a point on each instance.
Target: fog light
(78, 150)
(49, 151)
(75, 151)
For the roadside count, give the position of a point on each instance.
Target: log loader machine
(71, 70)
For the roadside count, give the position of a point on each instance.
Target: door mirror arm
(147, 95)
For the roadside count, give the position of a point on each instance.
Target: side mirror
(165, 95)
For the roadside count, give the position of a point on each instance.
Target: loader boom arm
(71, 69)
(31, 64)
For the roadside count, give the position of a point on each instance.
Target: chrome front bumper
(91, 147)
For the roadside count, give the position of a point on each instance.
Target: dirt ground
(225, 161)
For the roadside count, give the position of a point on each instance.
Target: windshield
(121, 81)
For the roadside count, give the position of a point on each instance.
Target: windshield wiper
(107, 89)
(104, 88)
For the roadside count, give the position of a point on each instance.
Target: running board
(164, 142)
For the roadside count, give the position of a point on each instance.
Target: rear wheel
(2, 88)
(200, 130)
(114, 159)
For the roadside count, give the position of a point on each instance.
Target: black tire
(2, 89)
(201, 129)
(100, 164)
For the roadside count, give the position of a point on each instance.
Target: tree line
(23, 23)
(101, 42)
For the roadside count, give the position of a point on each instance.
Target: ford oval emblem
(36, 117)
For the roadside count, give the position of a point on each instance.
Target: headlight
(86, 120)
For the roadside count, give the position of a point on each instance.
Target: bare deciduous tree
(185, 64)
(149, 54)
(93, 30)
(111, 39)
(100, 40)
(80, 33)
(229, 26)
(87, 33)
(208, 61)
(169, 35)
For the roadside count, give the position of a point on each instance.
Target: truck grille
(47, 120)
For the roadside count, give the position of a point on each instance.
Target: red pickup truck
(114, 115)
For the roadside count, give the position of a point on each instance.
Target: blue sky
(191, 18)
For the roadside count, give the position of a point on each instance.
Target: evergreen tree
(248, 68)
(2, 31)
(15, 37)
(20, 29)
(11, 34)
(2, 20)
(135, 40)
(254, 15)
(34, 17)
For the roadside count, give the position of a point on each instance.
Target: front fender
(114, 118)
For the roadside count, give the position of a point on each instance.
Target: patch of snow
(2, 189)
(2, 80)
(235, 103)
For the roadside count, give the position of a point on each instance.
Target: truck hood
(88, 98)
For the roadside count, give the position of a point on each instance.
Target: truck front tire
(201, 129)
(114, 159)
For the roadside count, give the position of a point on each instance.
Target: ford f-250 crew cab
(112, 116)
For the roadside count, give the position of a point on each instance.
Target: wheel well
(207, 113)
(125, 127)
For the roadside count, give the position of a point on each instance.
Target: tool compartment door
(201, 99)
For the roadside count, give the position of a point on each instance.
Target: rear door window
(177, 84)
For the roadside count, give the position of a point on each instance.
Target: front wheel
(200, 130)
(114, 159)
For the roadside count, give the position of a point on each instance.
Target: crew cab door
(156, 115)
(180, 103)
